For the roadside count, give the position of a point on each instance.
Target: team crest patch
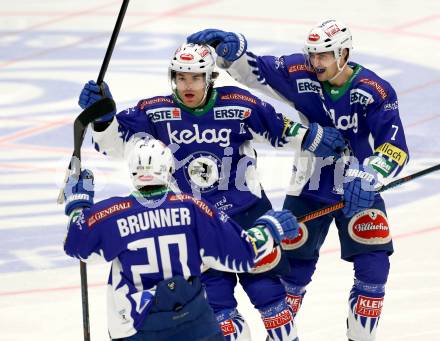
(298, 241)
(369, 227)
(109, 211)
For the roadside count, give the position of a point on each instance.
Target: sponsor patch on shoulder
(239, 97)
(369, 227)
(199, 203)
(299, 67)
(298, 241)
(108, 211)
(376, 86)
(156, 100)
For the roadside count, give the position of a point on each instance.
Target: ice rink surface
(48, 49)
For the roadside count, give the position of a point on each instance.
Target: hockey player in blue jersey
(158, 242)
(326, 87)
(214, 128)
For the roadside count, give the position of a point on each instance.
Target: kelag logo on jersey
(187, 136)
(360, 96)
(307, 85)
(164, 114)
(231, 113)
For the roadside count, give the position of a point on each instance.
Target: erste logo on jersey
(360, 96)
(164, 114)
(231, 113)
(307, 85)
(188, 136)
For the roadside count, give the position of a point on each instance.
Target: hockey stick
(98, 109)
(334, 207)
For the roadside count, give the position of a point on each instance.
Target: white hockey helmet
(193, 58)
(150, 163)
(329, 35)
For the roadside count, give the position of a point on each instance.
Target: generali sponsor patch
(299, 67)
(369, 227)
(156, 100)
(239, 97)
(186, 197)
(369, 306)
(376, 86)
(298, 241)
(109, 211)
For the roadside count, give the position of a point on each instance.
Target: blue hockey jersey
(213, 148)
(147, 245)
(365, 110)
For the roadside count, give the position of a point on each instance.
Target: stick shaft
(334, 207)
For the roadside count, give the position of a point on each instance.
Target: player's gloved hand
(78, 193)
(324, 141)
(359, 190)
(92, 93)
(228, 45)
(282, 224)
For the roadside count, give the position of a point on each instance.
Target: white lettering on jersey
(153, 219)
(187, 136)
(360, 96)
(307, 85)
(343, 122)
(231, 113)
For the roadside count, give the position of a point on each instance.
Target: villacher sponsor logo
(370, 227)
(106, 212)
(392, 152)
